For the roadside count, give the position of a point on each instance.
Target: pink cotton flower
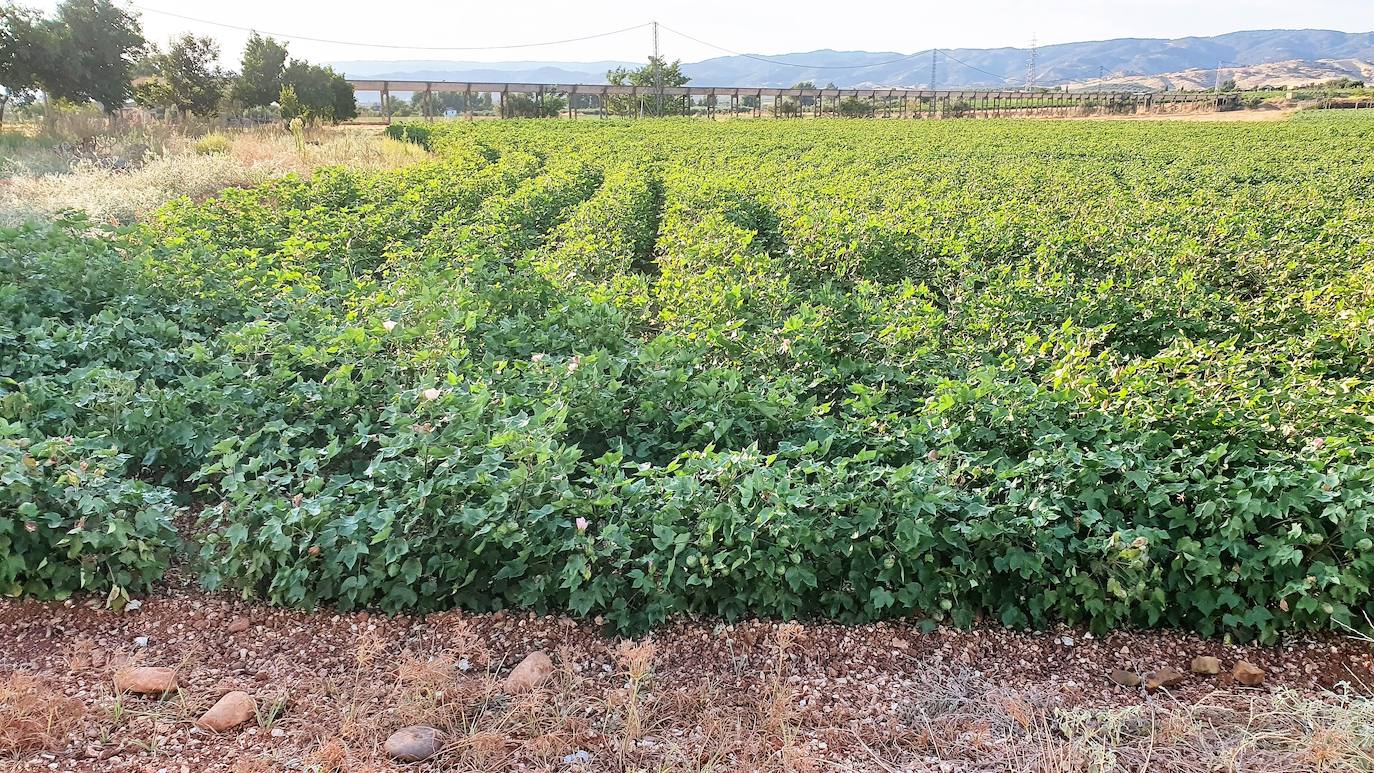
(431, 394)
(582, 524)
(390, 325)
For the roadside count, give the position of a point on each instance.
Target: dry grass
(121, 179)
(964, 724)
(34, 716)
(642, 718)
(574, 722)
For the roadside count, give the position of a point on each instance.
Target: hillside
(1295, 72)
(1124, 60)
(514, 72)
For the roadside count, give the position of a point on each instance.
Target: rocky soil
(193, 682)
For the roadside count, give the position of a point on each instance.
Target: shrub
(73, 523)
(213, 144)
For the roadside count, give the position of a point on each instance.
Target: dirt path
(1230, 116)
(702, 696)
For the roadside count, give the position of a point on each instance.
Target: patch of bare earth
(1227, 116)
(329, 690)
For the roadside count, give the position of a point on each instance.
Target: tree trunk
(4, 100)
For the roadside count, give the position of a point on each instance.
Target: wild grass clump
(34, 715)
(119, 179)
(213, 144)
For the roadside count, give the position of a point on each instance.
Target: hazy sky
(757, 27)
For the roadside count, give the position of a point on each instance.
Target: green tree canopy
(93, 45)
(195, 82)
(22, 52)
(656, 73)
(345, 102)
(262, 67)
(321, 93)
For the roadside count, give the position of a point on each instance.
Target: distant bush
(213, 144)
(853, 107)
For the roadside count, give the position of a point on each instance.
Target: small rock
(578, 757)
(146, 680)
(900, 643)
(1125, 678)
(1206, 664)
(239, 625)
(531, 672)
(141, 641)
(1248, 674)
(414, 743)
(232, 710)
(1165, 677)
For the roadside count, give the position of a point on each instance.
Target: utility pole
(933, 53)
(1030, 69)
(658, 77)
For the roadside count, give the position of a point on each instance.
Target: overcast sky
(753, 27)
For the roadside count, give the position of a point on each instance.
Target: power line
(795, 64)
(289, 36)
(1002, 78)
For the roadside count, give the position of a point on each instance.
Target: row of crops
(1109, 374)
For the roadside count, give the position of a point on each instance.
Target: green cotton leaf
(799, 577)
(880, 598)
(1139, 478)
(664, 537)
(236, 534)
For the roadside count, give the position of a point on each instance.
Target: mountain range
(1264, 57)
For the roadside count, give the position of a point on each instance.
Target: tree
(22, 51)
(263, 64)
(290, 104)
(154, 93)
(853, 107)
(93, 46)
(194, 80)
(323, 94)
(793, 107)
(397, 107)
(441, 101)
(656, 73)
(525, 106)
(345, 101)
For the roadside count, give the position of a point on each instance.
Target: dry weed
(636, 661)
(329, 757)
(34, 716)
(120, 185)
